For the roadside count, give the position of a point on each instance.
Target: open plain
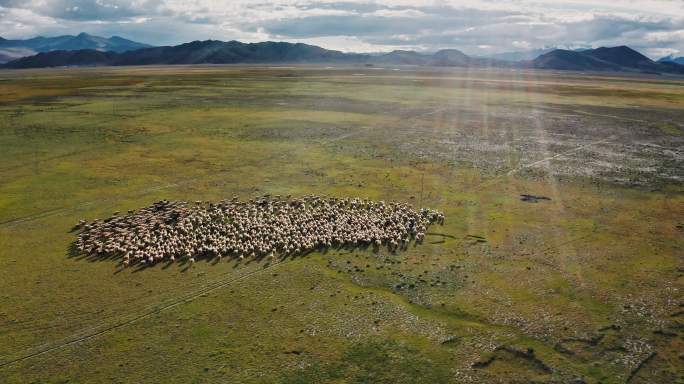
(580, 281)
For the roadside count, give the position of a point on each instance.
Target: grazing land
(560, 260)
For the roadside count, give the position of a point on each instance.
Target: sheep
(263, 226)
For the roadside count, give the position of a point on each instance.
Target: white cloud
(522, 44)
(665, 36)
(400, 13)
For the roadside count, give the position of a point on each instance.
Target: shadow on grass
(74, 253)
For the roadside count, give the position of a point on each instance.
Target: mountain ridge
(619, 59)
(14, 49)
(672, 59)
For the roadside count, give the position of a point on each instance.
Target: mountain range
(620, 59)
(233, 52)
(14, 49)
(673, 59)
(520, 55)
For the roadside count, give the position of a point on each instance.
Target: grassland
(585, 287)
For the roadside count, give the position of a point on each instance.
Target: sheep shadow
(214, 259)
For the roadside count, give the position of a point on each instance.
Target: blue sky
(478, 27)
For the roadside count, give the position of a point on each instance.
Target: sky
(476, 27)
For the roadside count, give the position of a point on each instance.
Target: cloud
(522, 44)
(85, 10)
(474, 26)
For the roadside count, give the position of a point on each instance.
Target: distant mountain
(623, 56)
(451, 57)
(197, 52)
(527, 55)
(219, 52)
(13, 49)
(443, 58)
(401, 57)
(563, 59)
(520, 55)
(234, 52)
(672, 59)
(9, 54)
(620, 58)
(83, 57)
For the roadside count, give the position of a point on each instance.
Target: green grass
(600, 261)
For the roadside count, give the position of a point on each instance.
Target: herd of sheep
(261, 227)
